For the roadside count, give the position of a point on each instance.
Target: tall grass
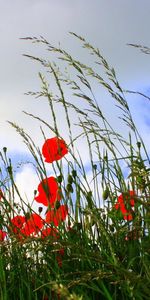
(103, 247)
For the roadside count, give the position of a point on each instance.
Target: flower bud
(105, 194)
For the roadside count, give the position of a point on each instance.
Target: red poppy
(128, 216)
(56, 216)
(2, 235)
(117, 206)
(125, 199)
(49, 232)
(33, 225)
(49, 192)
(54, 149)
(17, 223)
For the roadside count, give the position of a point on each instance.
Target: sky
(107, 25)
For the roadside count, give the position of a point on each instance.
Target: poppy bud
(35, 192)
(105, 193)
(69, 188)
(59, 178)
(138, 144)
(70, 179)
(40, 209)
(9, 169)
(4, 149)
(57, 204)
(74, 173)
(95, 167)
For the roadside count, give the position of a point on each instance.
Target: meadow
(89, 237)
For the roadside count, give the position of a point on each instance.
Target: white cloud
(26, 181)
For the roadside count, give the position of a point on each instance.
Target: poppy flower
(2, 235)
(126, 199)
(128, 216)
(49, 232)
(54, 149)
(120, 206)
(56, 216)
(33, 225)
(49, 192)
(17, 223)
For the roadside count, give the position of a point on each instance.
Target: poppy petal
(49, 232)
(54, 149)
(33, 225)
(123, 199)
(49, 192)
(57, 216)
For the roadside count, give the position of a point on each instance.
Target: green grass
(106, 254)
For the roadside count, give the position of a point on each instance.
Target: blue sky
(108, 25)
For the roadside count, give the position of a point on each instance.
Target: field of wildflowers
(89, 238)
